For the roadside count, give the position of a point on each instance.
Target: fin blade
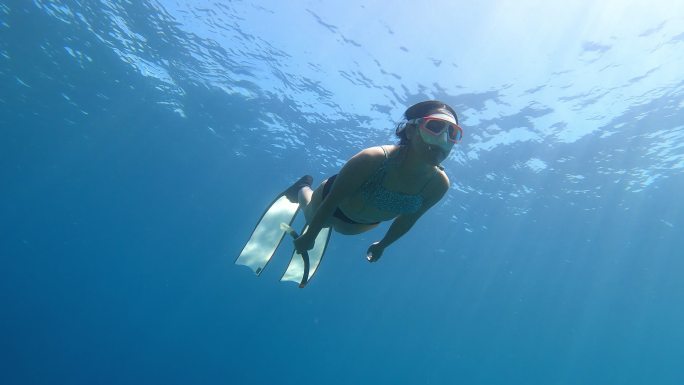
(296, 268)
(267, 234)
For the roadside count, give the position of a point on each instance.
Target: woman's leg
(304, 196)
(309, 200)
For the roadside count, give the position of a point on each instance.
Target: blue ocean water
(140, 142)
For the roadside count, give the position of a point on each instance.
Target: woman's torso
(388, 192)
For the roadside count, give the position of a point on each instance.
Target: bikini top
(375, 194)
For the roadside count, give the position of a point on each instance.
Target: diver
(390, 182)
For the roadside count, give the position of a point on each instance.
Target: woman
(393, 182)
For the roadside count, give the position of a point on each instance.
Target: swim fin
(268, 233)
(302, 267)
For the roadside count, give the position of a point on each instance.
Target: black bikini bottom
(338, 213)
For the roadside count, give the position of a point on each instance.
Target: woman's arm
(403, 223)
(350, 178)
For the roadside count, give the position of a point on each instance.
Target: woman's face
(431, 154)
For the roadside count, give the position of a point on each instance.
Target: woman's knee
(304, 196)
(312, 203)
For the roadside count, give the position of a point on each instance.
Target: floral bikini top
(375, 194)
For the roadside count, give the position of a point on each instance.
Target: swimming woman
(391, 182)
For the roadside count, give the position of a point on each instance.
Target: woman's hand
(305, 242)
(374, 252)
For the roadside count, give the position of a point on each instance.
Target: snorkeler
(392, 182)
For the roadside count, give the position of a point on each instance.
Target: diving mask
(439, 129)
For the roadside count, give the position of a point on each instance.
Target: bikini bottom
(338, 213)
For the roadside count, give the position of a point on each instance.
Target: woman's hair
(420, 110)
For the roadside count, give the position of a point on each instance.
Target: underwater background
(140, 141)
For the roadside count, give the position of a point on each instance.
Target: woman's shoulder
(439, 184)
(382, 150)
(367, 160)
(377, 153)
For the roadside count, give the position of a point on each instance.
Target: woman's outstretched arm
(350, 178)
(403, 223)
